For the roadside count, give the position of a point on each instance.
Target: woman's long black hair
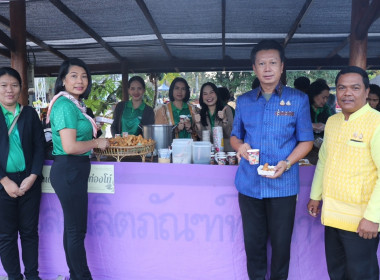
(204, 107)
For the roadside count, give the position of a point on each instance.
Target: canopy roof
(185, 35)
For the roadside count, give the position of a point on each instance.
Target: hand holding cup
(180, 126)
(242, 151)
(182, 118)
(187, 124)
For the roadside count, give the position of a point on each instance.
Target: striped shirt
(275, 127)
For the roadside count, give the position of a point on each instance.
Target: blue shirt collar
(279, 88)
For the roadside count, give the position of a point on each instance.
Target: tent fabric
(182, 35)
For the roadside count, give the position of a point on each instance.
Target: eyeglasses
(373, 100)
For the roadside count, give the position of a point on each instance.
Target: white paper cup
(254, 156)
(212, 159)
(182, 118)
(222, 160)
(220, 154)
(217, 135)
(231, 158)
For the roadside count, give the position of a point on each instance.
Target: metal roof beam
(156, 31)
(297, 22)
(211, 65)
(223, 29)
(6, 41)
(35, 40)
(371, 14)
(5, 53)
(337, 49)
(340, 47)
(71, 15)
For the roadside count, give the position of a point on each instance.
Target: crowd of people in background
(285, 123)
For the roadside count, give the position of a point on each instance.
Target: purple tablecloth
(173, 221)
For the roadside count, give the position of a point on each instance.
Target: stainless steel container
(161, 133)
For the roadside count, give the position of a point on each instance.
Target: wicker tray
(121, 152)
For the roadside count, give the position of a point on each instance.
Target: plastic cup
(254, 156)
(206, 135)
(164, 153)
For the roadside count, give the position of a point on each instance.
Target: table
(173, 221)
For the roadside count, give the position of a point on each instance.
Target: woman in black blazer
(21, 161)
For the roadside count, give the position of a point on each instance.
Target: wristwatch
(288, 165)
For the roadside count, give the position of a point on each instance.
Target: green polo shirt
(132, 118)
(65, 114)
(16, 159)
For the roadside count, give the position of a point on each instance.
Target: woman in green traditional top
(214, 113)
(179, 95)
(72, 134)
(130, 116)
(318, 93)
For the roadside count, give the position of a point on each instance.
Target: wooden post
(155, 91)
(18, 34)
(124, 81)
(358, 47)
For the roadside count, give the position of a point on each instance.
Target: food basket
(119, 153)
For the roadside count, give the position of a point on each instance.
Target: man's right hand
(313, 207)
(367, 229)
(242, 151)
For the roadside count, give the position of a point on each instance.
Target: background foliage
(107, 89)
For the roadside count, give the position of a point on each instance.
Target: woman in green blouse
(72, 133)
(179, 95)
(130, 116)
(214, 113)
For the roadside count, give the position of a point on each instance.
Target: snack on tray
(266, 167)
(130, 140)
(265, 170)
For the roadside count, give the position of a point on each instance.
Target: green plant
(106, 91)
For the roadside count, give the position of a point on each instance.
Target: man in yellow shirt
(347, 179)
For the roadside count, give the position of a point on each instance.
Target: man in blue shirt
(276, 120)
